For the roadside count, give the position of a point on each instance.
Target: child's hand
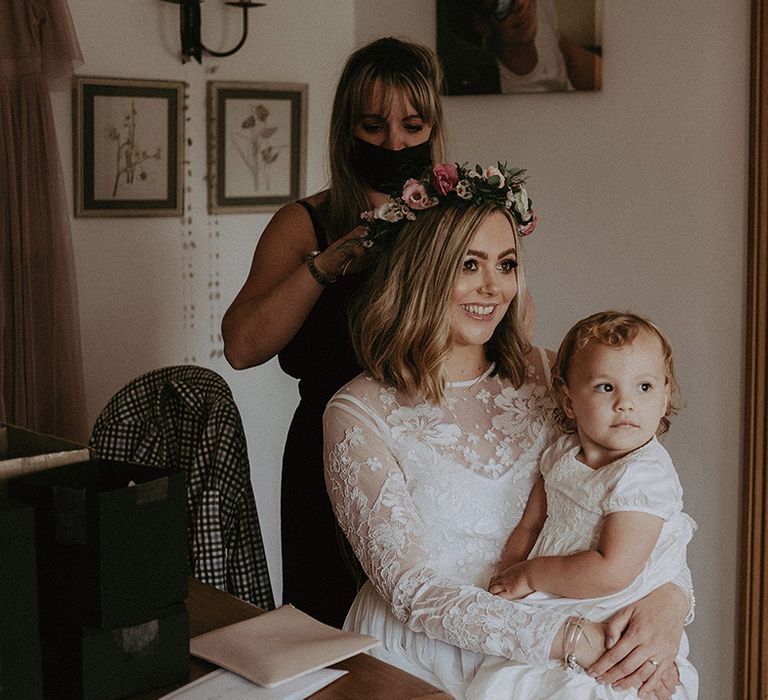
(502, 565)
(511, 583)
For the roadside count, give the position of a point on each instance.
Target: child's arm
(523, 537)
(626, 541)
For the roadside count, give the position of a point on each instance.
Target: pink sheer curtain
(41, 376)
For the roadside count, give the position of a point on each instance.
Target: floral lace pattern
(427, 496)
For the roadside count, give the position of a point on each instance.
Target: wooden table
(368, 678)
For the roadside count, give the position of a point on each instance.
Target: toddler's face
(617, 396)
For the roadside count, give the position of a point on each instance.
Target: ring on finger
(654, 662)
(346, 266)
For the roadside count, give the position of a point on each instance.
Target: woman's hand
(347, 255)
(645, 632)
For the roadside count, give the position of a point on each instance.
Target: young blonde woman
(386, 125)
(432, 452)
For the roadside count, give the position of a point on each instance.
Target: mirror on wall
(514, 46)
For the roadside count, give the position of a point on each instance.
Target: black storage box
(92, 663)
(111, 541)
(20, 671)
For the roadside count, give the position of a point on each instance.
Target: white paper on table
(225, 684)
(278, 646)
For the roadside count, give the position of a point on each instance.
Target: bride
(431, 453)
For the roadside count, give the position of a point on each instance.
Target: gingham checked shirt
(185, 417)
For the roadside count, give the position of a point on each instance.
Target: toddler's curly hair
(615, 329)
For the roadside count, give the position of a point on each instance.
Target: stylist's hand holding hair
(386, 125)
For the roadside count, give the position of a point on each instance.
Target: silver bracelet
(574, 630)
(309, 260)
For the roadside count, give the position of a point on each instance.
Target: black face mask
(386, 170)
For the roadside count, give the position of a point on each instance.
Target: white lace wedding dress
(427, 496)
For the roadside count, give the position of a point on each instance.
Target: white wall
(134, 274)
(640, 188)
(641, 193)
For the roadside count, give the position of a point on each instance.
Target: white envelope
(278, 646)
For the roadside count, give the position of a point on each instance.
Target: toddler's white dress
(578, 499)
(427, 496)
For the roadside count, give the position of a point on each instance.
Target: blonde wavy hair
(401, 322)
(615, 329)
(399, 67)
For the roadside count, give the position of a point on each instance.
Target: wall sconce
(190, 31)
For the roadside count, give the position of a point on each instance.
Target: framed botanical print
(256, 145)
(128, 148)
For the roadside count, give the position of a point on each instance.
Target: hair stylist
(386, 126)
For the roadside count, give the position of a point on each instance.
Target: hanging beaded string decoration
(214, 289)
(188, 249)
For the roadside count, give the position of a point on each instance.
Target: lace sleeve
(368, 490)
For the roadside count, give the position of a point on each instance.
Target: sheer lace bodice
(428, 494)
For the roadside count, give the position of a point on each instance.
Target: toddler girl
(604, 525)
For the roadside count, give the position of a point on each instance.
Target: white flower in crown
(389, 211)
(519, 198)
(408, 213)
(464, 189)
(493, 171)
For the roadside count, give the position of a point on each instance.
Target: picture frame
(128, 147)
(256, 145)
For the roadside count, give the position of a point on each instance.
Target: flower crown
(499, 184)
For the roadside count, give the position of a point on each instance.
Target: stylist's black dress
(319, 570)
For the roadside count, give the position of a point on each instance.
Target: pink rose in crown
(415, 195)
(445, 178)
